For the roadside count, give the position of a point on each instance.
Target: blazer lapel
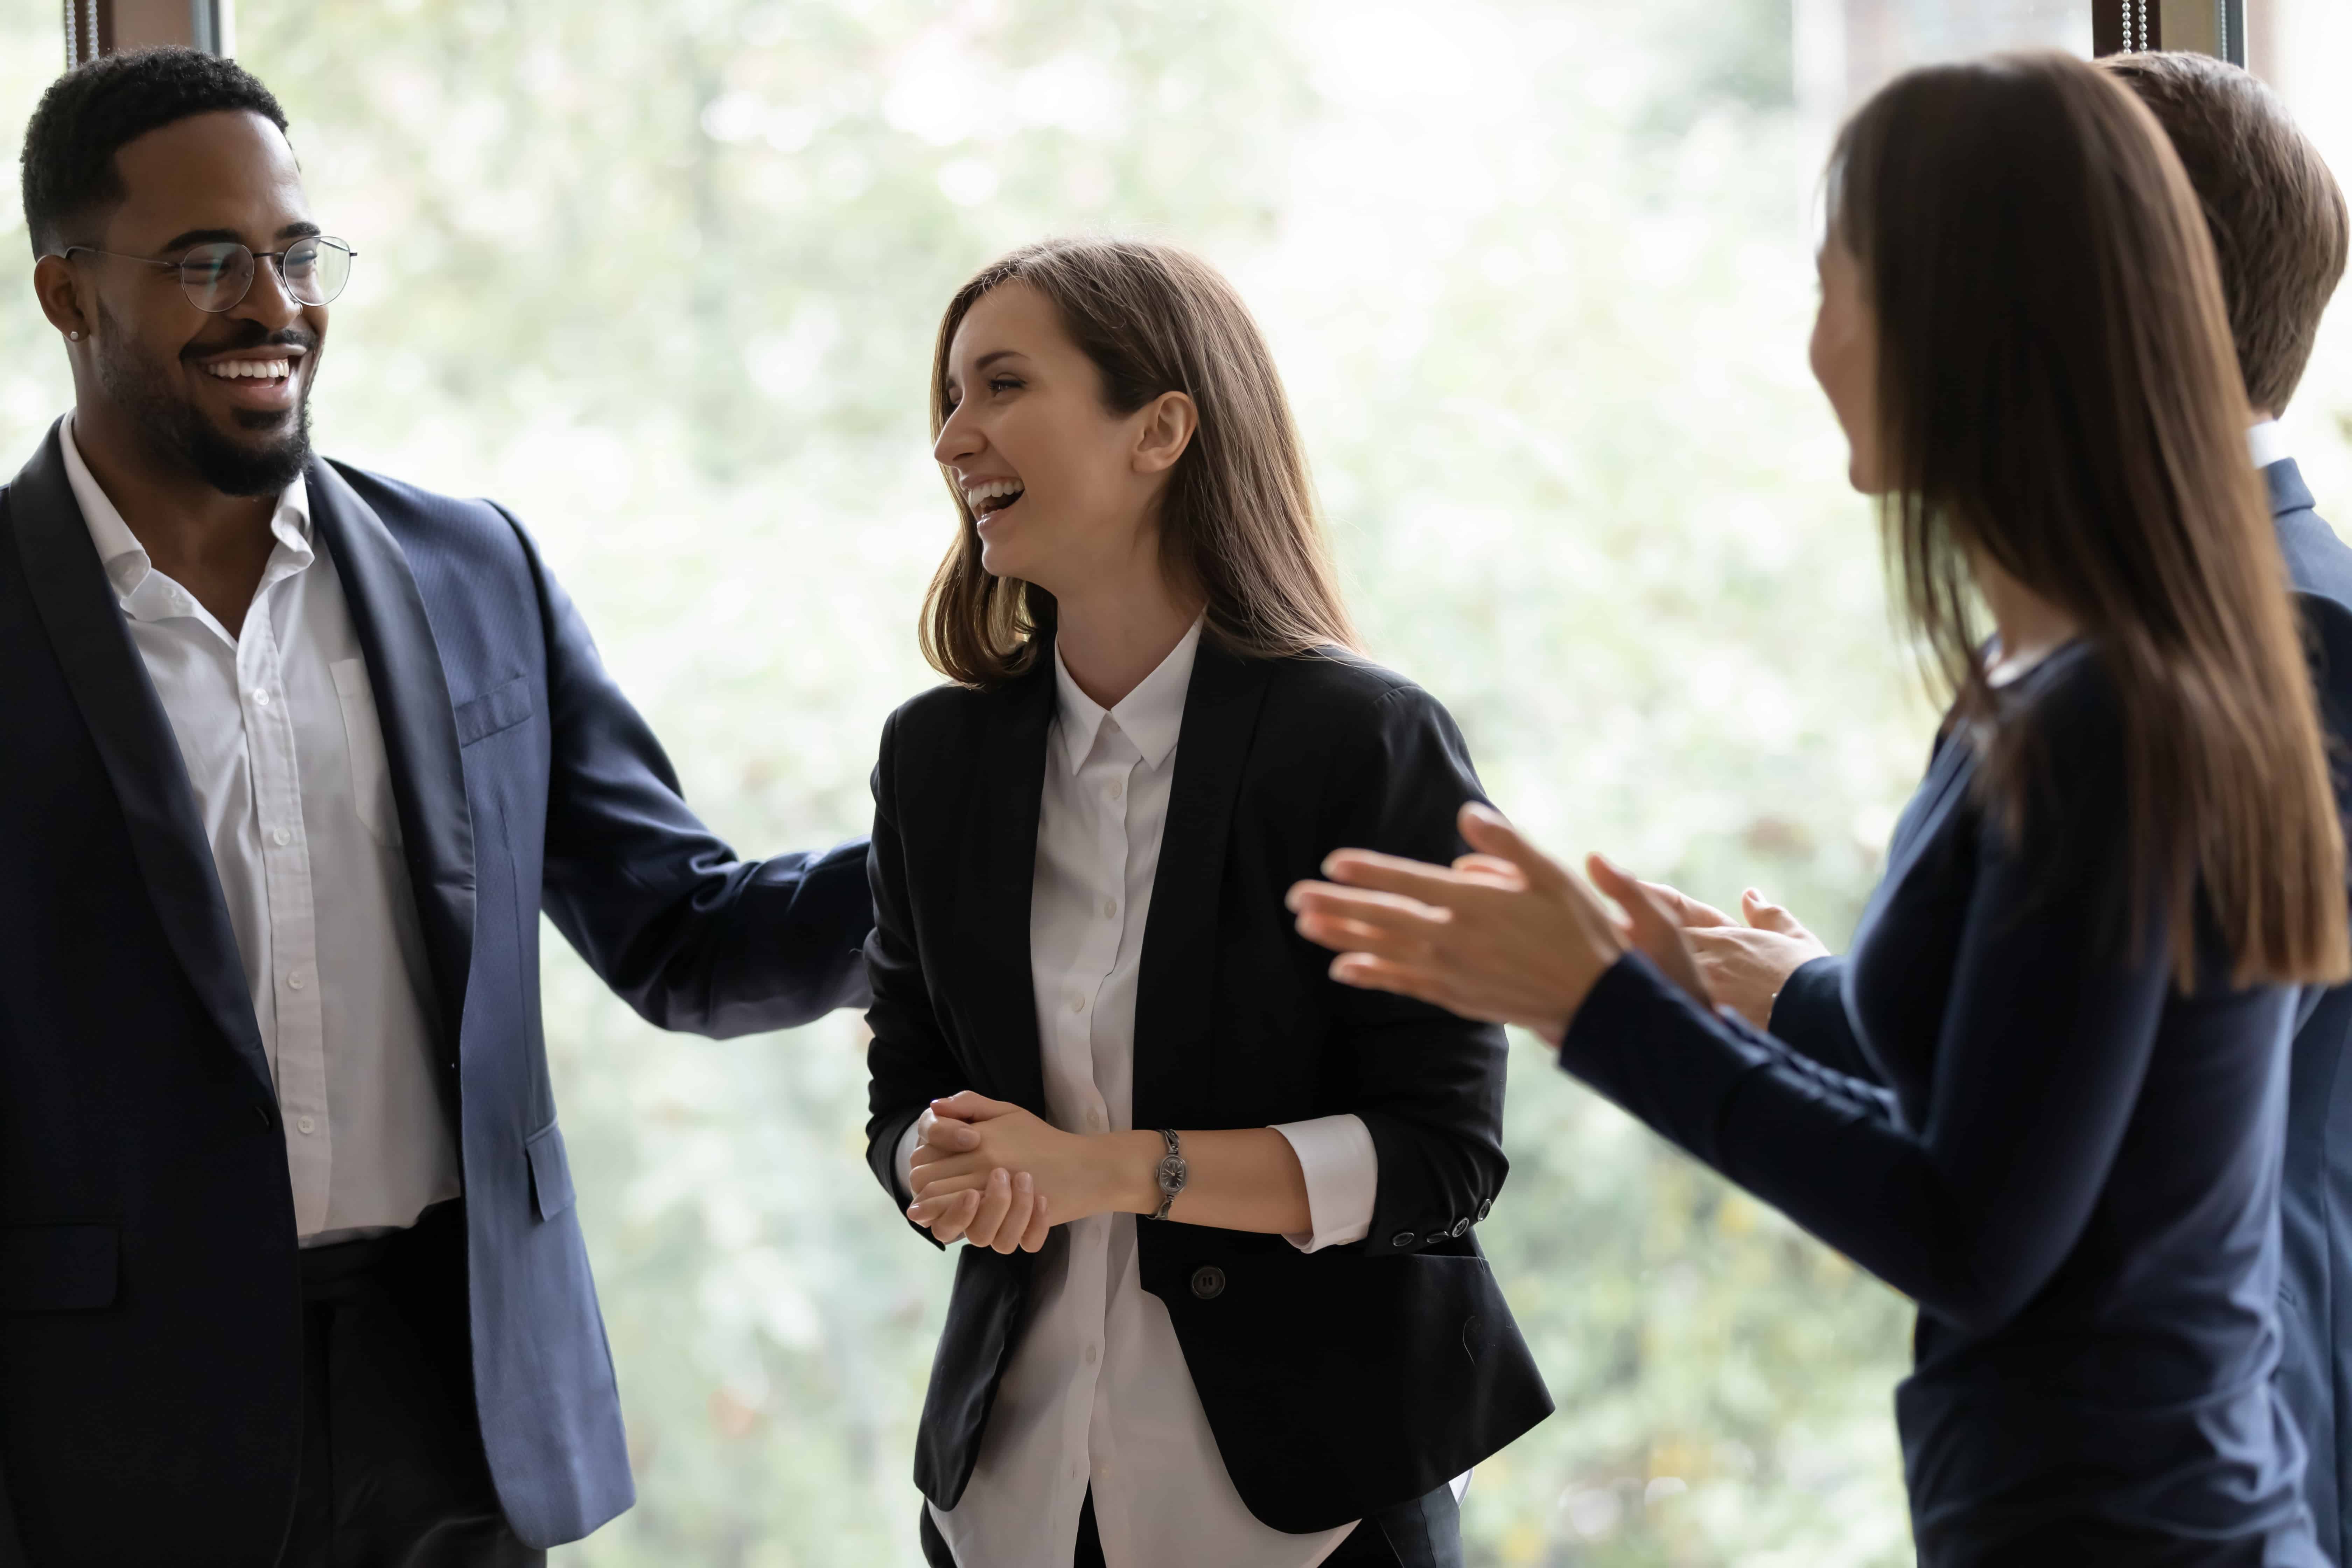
(998, 871)
(1180, 937)
(414, 709)
(134, 742)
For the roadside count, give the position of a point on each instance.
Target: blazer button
(1461, 1228)
(1207, 1282)
(1486, 1208)
(1402, 1238)
(1434, 1236)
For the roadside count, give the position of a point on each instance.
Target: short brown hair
(2056, 396)
(2275, 212)
(1238, 522)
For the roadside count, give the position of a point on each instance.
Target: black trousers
(1424, 1534)
(393, 1475)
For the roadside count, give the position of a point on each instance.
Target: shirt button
(1116, 790)
(297, 980)
(281, 837)
(1093, 1121)
(306, 1125)
(1077, 1003)
(260, 698)
(1074, 1470)
(1110, 909)
(1094, 1354)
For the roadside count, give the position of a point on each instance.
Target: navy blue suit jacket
(150, 1341)
(2315, 1195)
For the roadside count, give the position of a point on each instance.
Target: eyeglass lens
(217, 276)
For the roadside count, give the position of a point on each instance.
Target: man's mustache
(254, 337)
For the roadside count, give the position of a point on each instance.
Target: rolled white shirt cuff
(903, 1165)
(1343, 1179)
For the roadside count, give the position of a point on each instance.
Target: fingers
(942, 1138)
(1368, 973)
(1490, 833)
(1438, 887)
(995, 1202)
(1347, 917)
(1652, 924)
(1039, 1226)
(955, 1174)
(1015, 1230)
(1686, 910)
(1492, 871)
(1767, 916)
(967, 1106)
(945, 1217)
(1649, 917)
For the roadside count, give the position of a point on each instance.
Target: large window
(662, 275)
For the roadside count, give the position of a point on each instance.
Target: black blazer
(1337, 1383)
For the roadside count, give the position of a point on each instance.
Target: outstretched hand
(1506, 934)
(1744, 966)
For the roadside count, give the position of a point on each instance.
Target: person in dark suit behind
(2074, 990)
(2279, 229)
(290, 1269)
(1263, 1337)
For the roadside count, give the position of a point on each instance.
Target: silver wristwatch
(1173, 1172)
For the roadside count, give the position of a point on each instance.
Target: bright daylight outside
(663, 277)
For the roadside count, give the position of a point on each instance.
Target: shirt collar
(126, 561)
(1152, 715)
(2267, 444)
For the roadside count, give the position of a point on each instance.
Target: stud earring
(73, 337)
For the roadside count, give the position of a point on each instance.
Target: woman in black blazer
(1264, 1336)
(2073, 987)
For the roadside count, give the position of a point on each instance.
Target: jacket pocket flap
(499, 708)
(59, 1268)
(551, 1173)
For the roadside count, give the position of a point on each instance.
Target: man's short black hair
(89, 112)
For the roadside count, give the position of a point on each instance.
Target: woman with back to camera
(1263, 1337)
(2075, 982)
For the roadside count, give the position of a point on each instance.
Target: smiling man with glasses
(294, 756)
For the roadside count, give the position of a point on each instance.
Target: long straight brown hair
(1238, 522)
(2057, 393)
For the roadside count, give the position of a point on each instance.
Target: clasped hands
(1507, 935)
(999, 1176)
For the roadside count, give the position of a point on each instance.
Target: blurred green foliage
(664, 276)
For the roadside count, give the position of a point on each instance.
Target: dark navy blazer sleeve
(691, 935)
(1971, 1213)
(1810, 1015)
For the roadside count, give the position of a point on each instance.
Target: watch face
(1171, 1172)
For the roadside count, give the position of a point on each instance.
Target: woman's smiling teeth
(252, 369)
(991, 495)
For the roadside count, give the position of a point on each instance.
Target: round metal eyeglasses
(218, 276)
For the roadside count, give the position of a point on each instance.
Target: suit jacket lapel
(415, 712)
(999, 870)
(134, 742)
(1179, 938)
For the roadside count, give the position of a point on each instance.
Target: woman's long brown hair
(1237, 522)
(2058, 396)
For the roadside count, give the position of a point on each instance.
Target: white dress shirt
(277, 728)
(1097, 1394)
(2266, 443)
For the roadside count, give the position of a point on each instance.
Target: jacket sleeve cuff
(1343, 1178)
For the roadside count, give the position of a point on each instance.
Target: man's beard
(179, 436)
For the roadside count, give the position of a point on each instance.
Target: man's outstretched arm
(690, 934)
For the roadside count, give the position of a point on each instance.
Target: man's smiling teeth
(252, 369)
(979, 497)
